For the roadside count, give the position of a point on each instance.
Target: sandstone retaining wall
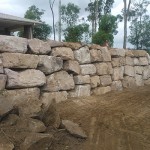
(33, 69)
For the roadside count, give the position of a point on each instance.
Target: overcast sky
(19, 7)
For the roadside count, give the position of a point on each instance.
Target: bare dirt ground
(115, 121)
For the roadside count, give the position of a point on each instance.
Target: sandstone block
(72, 45)
(1, 66)
(110, 68)
(95, 81)
(50, 64)
(139, 53)
(139, 69)
(102, 69)
(105, 80)
(129, 82)
(73, 129)
(25, 79)
(96, 55)
(3, 79)
(148, 57)
(118, 62)
(46, 98)
(143, 61)
(105, 54)
(101, 90)
(65, 53)
(80, 91)
(88, 69)
(82, 79)
(13, 44)
(129, 53)
(117, 52)
(83, 55)
(116, 86)
(118, 73)
(18, 60)
(59, 81)
(136, 62)
(95, 46)
(147, 82)
(146, 72)
(139, 80)
(129, 61)
(129, 71)
(54, 43)
(72, 66)
(37, 46)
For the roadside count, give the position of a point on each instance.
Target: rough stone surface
(148, 57)
(47, 98)
(118, 73)
(94, 46)
(88, 69)
(82, 79)
(3, 79)
(102, 69)
(73, 129)
(116, 86)
(72, 66)
(146, 72)
(50, 115)
(65, 53)
(80, 91)
(136, 61)
(50, 64)
(147, 82)
(117, 62)
(54, 43)
(129, 53)
(37, 141)
(117, 52)
(105, 54)
(59, 81)
(143, 61)
(8, 44)
(129, 71)
(83, 55)
(37, 46)
(1, 66)
(18, 60)
(96, 55)
(129, 61)
(105, 80)
(129, 82)
(101, 90)
(110, 68)
(139, 69)
(139, 80)
(72, 45)
(95, 81)
(139, 53)
(25, 79)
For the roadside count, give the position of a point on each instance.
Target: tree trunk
(125, 25)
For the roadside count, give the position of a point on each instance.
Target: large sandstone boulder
(59, 81)
(129, 82)
(95, 81)
(118, 73)
(25, 79)
(110, 68)
(139, 80)
(82, 79)
(105, 54)
(18, 60)
(65, 53)
(88, 69)
(117, 52)
(96, 55)
(46, 98)
(116, 86)
(72, 66)
(102, 69)
(37, 46)
(3, 79)
(101, 90)
(129, 61)
(129, 71)
(80, 91)
(105, 80)
(72, 45)
(118, 62)
(143, 61)
(83, 55)
(13, 44)
(139, 69)
(50, 64)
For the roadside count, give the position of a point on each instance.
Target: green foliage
(76, 33)
(107, 30)
(41, 31)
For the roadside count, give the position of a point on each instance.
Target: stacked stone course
(59, 70)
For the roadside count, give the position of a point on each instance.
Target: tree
(41, 31)
(51, 4)
(107, 30)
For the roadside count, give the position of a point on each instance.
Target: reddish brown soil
(115, 121)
